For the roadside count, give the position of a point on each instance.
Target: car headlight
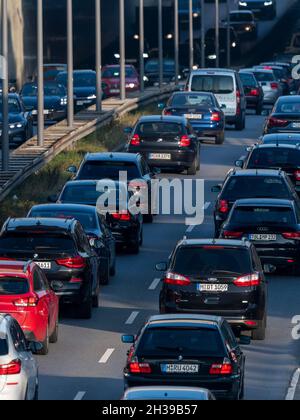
(233, 45)
(243, 3)
(16, 125)
(268, 3)
(130, 85)
(92, 97)
(64, 101)
(146, 79)
(248, 28)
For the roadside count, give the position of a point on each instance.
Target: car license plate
(44, 265)
(193, 116)
(171, 368)
(114, 90)
(262, 237)
(296, 125)
(213, 288)
(160, 156)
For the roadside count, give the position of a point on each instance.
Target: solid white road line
(154, 284)
(293, 387)
(104, 359)
(192, 227)
(132, 318)
(79, 396)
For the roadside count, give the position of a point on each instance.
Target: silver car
(173, 393)
(270, 84)
(18, 368)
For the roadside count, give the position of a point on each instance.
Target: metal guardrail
(30, 158)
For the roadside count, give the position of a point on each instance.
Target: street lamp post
(160, 44)
(217, 33)
(122, 50)
(191, 36)
(202, 33)
(228, 35)
(70, 63)
(142, 46)
(5, 127)
(40, 71)
(98, 56)
(176, 40)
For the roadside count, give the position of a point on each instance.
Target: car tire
(86, 307)
(45, 350)
(135, 246)
(105, 273)
(36, 393)
(260, 333)
(113, 270)
(242, 391)
(220, 138)
(193, 169)
(142, 238)
(259, 109)
(54, 336)
(240, 124)
(96, 300)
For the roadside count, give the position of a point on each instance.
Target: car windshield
(263, 76)
(3, 347)
(277, 157)
(288, 108)
(239, 187)
(83, 194)
(13, 106)
(214, 84)
(241, 17)
(248, 80)
(157, 128)
(292, 141)
(114, 73)
(153, 67)
(87, 220)
(187, 342)
(108, 170)
(80, 79)
(207, 260)
(49, 90)
(13, 286)
(262, 215)
(35, 242)
(188, 99)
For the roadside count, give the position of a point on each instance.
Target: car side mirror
(216, 189)
(161, 106)
(72, 169)
(239, 163)
(161, 266)
(56, 286)
(245, 340)
(128, 339)
(269, 268)
(249, 148)
(95, 243)
(35, 347)
(53, 198)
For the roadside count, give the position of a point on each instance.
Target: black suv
(186, 350)
(273, 226)
(250, 184)
(62, 250)
(167, 142)
(216, 277)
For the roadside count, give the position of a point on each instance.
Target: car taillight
(254, 92)
(75, 262)
(216, 117)
(291, 235)
(177, 279)
(140, 368)
(135, 140)
(274, 85)
(297, 175)
(232, 235)
(224, 368)
(250, 280)
(123, 216)
(223, 206)
(27, 302)
(12, 368)
(238, 97)
(167, 112)
(276, 122)
(185, 141)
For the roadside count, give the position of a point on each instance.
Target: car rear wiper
(224, 272)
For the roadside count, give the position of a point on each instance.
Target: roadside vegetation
(50, 179)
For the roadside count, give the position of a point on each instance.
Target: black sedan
(253, 91)
(272, 225)
(244, 24)
(281, 138)
(166, 142)
(186, 350)
(152, 72)
(55, 100)
(285, 116)
(262, 9)
(20, 121)
(94, 225)
(210, 41)
(202, 111)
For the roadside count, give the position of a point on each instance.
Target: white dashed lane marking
(132, 318)
(106, 356)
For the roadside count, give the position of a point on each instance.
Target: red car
(25, 294)
(111, 80)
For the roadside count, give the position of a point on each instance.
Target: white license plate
(114, 90)
(80, 103)
(160, 156)
(262, 237)
(296, 125)
(213, 288)
(44, 265)
(193, 116)
(180, 368)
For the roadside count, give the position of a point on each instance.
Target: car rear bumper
(179, 159)
(270, 97)
(125, 236)
(253, 101)
(208, 131)
(53, 115)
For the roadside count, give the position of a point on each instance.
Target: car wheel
(113, 270)
(240, 124)
(45, 350)
(141, 238)
(148, 218)
(135, 246)
(220, 138)
(193, 169)
(36, 393)
(86, 307)
(259, 109)
(104, 273)
(242, 392)
(260, 333)
(96, 300)
(54, 336)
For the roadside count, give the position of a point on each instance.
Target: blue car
(55, 100)
(203, 112)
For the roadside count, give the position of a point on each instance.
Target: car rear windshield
(114, 73)
(241, 17)
(213, 83)
(159, 128)
(42, 242)
(13, 286)
(3, 347)
(209, 260)
(191, 99)
(87, 220)
(264, 76)
(108, 170)
(248, 80)
(239, 187)
(188, 342)
(288, 108)
(263, 215)
(277, 157)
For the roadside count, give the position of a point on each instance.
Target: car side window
(83, 240)
(230, 341)
(18, 338)
(145, 167)
(44, 280)
(37, 282)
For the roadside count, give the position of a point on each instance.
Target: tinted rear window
(108, 170)
(260, 215)
(241, 17)
(196, 262)
(3, 347)
(157, 128)
(214, 84)
(288, 108)
(248, 80)
(191, 99)
(87, 220)
(187, 342)
(43, 242)
(274, 158)
(255, 187)
(264, 76)
(13, 286)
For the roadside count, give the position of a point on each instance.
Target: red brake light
(297, 175)
(185, 141)
(75, 262)
(254, 92)
(275, 122)
(27, 302)
(140, 368)
(177, 279)
(291, 235)
(223, 206)
(232, 235)
(221, 369)
(135, 141)
(216, 117)
(12, 368)
(166, 112)
(250, 280)
(123, 217)
(274, 85)
(238, 95)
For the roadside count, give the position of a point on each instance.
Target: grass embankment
(50, 179)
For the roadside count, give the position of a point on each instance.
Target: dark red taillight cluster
(72, 262)
(12, 368)
(136, 367)
(223, 206)
(122, 216)
(135, 140)
(224, 368)
(277, 122)
(249, 280)
(176, 279)
(185, 141)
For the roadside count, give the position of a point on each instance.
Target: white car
(172, 393)
(18, 369)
